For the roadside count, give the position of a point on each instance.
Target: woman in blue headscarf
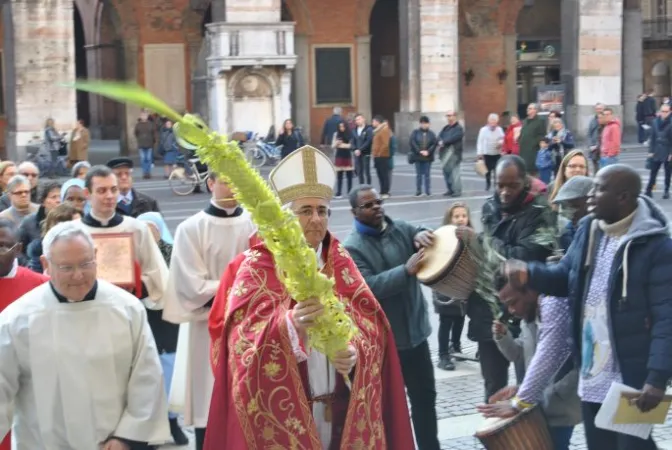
(165, 333)
(73, 192)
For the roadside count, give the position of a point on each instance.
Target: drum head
(493, 424)
(440, 255)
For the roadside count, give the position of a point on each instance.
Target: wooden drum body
(449, 268)
(526, 431)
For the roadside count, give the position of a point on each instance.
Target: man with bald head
(616, 275)
(450, 154)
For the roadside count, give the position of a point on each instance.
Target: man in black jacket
(660, 150)
(450, 154)
(423, 143)
(131, 202)
(517, 223)
(362, 140)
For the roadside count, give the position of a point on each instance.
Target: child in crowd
(451, 311)
(545, 163)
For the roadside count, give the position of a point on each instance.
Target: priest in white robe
(204, 245)
(102, 218)
(78, 360)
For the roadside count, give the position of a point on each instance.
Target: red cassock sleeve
(7, 443)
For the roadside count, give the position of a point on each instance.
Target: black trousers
(450, 330)
(339, 181)
(653, 174)
(599, 439)
(418, 372)
(490, 164)
(363, 168)
(200, 438)
(383, 171)
(495, 368)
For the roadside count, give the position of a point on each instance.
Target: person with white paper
(616, 275)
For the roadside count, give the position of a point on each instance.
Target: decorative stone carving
(252, 86)
(479, 17)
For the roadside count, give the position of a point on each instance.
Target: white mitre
(306, 172)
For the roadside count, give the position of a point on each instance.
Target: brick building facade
(267, 60)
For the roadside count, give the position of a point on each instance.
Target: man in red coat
(15, 281)
(273, 391)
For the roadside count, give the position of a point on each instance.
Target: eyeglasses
(18, 193)
(371, 204)
(72, 269)
(4, 250)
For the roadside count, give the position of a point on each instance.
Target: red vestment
(261, 394)
(12, 289)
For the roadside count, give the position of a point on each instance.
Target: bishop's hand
(115, 444)
(305, 314)
(344, 361)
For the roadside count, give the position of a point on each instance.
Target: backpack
(544, 159)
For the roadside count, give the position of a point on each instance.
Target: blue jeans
(561, 436)
(422, 172)
(545, 175)
(453, 179)
(608, 160)
(168, 364)
(146, 160)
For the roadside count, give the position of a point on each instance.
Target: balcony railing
(657, 29)
(239, 44)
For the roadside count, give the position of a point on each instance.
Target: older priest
(78, 360)
(271, 390)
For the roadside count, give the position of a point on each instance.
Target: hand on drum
(516, 272)
(505, 393)
(424, 239)
(414, 263)
(465, 234)
(305, 313)
(501, 410)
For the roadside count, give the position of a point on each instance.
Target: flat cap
(117, 163)
(576, 187)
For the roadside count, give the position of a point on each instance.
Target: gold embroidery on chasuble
(267, 389)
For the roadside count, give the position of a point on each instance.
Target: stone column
(129, 144)
(439, 56)
(569, 21)
(285, 98)
(218, 101)
(93, 55)
(364, 75)
(301, 79)
(511, 67)
(599, 59)
(39, 45)
(409, 54)
(633, 72)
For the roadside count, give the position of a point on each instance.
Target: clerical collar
(217, 211)
(92, 220)
(13, 270)
(63, 299)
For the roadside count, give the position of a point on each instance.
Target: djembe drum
(449, 268)
(525, 431)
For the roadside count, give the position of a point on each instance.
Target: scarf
(368, 230)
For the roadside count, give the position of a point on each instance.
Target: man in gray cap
(130, 202)
(572, 198)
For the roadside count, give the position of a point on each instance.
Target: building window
(333, 75)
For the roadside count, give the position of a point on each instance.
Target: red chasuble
(12, 289)
(218, 309)
(261, 398)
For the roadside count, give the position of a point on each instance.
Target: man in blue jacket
(616, 275)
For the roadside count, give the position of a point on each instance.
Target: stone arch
(662, 81)
(254, 100)
(266, 74)
(363, 19)
(508, 14)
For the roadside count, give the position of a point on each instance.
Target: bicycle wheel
(255, 157)
(182, 183)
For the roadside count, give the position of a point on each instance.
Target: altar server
(204, 245)
(103, 190)
(77, 359)
(15, 280)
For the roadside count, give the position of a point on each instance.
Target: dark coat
(452, 136)
(533, 131)
(330, 127)
(441, 306)
(660, 142)
(141, 204)
(362, 142)
(289, 142)
(422, 140)
(641, 314)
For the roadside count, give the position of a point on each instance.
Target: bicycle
(36, 154)
(187, 176)
(258, 152)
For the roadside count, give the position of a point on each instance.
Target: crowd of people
(580, 303)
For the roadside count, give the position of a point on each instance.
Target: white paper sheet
(605, 417)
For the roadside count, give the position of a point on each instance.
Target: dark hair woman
(342, 146)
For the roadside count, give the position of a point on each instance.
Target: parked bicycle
(260, 151)
(189, 175)
(38, 155)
